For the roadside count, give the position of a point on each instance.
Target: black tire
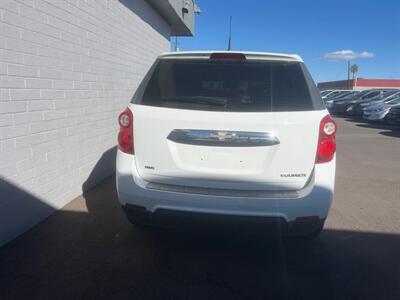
(308, 235)
(316, 232)
(390, 121)
(346, 110)
(305, 238)
(359, 115)
(142, 226)
(138, 224)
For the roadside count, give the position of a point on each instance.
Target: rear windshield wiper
(216, 101)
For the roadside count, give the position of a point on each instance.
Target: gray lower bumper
(216, 222)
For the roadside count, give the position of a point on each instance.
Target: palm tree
(354, 70)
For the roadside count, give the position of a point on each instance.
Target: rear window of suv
(235, 86)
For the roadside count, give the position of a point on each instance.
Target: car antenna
(230, 34)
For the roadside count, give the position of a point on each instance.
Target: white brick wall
(67, 69)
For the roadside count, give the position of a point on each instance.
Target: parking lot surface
(89, 250)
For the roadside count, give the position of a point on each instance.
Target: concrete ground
(89, 250)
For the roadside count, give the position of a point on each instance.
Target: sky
(324, 33)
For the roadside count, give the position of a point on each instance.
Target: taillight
(125, 135)
(326, 141)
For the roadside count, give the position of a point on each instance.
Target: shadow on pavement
(377, 125)
(19, 210)
(89, 250)
(353, 119)
(391, 130)
(393, 133)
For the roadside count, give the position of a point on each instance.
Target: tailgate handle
(222, 138)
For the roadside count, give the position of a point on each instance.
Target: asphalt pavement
(88, 250)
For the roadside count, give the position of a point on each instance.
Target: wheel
(309, 236)
(390, 121)
(142, 226)
(349, 110)
(309, 232)
(316, 232)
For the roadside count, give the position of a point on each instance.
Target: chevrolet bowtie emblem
(223, 138)
(223, 135)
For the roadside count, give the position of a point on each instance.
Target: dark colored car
(359, 105)
(333, 94)
(325, 92)
(345, 94)
(338, 96)
(342, 94)
(393, 116)
(339, 106)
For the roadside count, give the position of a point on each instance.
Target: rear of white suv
(237, 140)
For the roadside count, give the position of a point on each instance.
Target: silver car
(378, 111)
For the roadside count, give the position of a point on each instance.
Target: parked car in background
(393, 116)
(350, 95)
(344, 94)
(329, 94)
(324, 92)
(360, 104)
(334, 93)
(339, 95)
(353, 95)
(208, 140)
(345, 106)
(378, 111)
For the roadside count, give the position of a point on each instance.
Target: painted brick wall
(67, 69)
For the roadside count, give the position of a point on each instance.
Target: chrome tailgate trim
(224, 138)
(293, 194)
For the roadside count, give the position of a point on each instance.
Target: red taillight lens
(125, 135)
(326, 141)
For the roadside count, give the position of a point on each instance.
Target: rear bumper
(205, 221)
(314, 201)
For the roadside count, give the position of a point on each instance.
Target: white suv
(227, 139)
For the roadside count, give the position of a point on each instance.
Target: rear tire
(316, 232)
(141, 226)
(137, 223)
(309, 234)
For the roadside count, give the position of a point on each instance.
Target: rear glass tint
(227, 86)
